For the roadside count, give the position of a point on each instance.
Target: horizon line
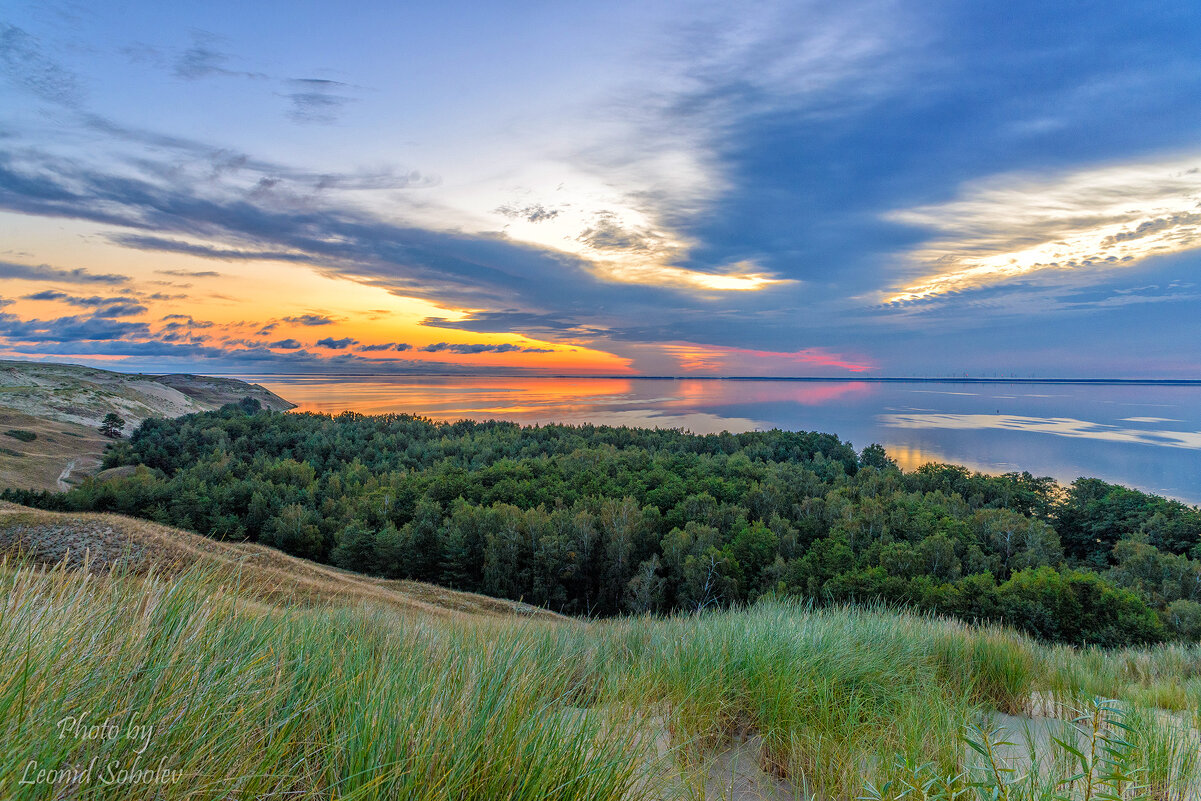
(978, 379)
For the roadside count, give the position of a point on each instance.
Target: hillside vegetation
(601, 521)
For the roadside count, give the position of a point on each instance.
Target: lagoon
(1144, 435)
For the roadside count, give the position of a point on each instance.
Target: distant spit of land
(50, 413)
(812, 378)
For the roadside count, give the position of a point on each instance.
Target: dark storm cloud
(286, 344)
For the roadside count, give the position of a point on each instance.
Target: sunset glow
(601, 191)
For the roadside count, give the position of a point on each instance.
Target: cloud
(309, 319)
(286, 344)
(204, 162)
(505, 321)
(121, 310)
(185, 321)
(449, 347)
(505, 281)
(190, 273)
(76, 300)
(534, 212)
(48, 294)
(105, 307)
(1011, 227)
(203, 60)
(316, 101)
(606, 233)
(715, 359)
(44, 272)
(177, 246)
(337, 344)
(24, 62)
(69, 329)
(397, 346)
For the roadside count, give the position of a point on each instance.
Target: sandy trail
(65, 474)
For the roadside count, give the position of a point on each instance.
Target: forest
(603, 521)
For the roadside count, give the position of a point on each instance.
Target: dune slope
(101, 542)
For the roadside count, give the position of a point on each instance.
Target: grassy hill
(63, 404)
(207, 670)
(103, 542)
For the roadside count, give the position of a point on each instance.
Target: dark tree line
(604, 520)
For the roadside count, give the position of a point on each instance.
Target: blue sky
(789, 189)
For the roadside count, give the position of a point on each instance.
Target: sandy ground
(64, 405)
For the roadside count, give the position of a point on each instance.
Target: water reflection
(1144, 436)
(1060, 427)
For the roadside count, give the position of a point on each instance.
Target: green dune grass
(119, 686)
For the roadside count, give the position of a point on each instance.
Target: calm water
(1143, 436)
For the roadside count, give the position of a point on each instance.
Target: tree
(1184, 618)
(354, 548)
(295, 531)
(113, 425)
(875, 456)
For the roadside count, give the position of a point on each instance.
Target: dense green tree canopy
(598, 520)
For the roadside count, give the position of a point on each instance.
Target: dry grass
(101, 542)
(38, 463)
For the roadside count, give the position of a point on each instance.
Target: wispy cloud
(203, 60)
(694, 357)
(44, 272)
(316, 100)
(24, 61)
(309, 319)
(468, 349)
(1010, 227)
(385, 346)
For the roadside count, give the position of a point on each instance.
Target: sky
(859, 188)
